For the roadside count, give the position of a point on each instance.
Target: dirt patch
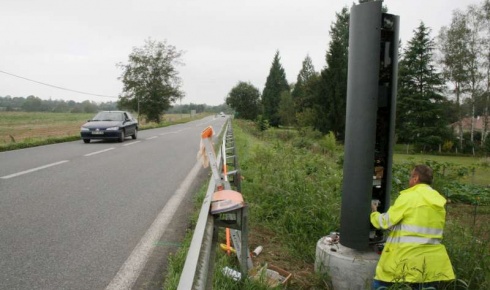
(274, 253)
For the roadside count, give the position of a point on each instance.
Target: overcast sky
(77, 44)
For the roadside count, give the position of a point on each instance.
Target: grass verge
(292, 186)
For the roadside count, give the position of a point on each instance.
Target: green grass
(22, 129)
(479, 167)
(292, 184)
(176, 262)
(17, 127)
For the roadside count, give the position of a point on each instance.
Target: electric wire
(57, 87)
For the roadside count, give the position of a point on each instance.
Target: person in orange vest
(413, 253)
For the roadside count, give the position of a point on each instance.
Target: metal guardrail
(198, 268)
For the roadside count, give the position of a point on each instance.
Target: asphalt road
(102, 215)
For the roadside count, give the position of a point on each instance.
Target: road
(92, 216)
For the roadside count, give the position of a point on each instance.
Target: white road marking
(132, 143)
(152, 137)
(98, 152)
(33, 169)
(131, 269)
(175, 132)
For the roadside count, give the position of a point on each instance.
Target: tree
(332, 95)
(421, 105)
(60, 107)
(276, 84)
(476, 57)
(151, 81)
(455, 55)
(89, 107)
(286, 109)
(485, 17)
(244, 98)
(463, 49)
(32, 104)
(302, 94)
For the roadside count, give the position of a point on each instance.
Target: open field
(19, 126)
(481, 165)
(16, 127)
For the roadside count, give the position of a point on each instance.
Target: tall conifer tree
(276, 84)
(421, 105)
(331, 98)
(302, 94)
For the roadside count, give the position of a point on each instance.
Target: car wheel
(86, 140)
(135, 135)
(122, 136)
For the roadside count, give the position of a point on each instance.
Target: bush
(484, 162)
(329, 143)
(262, 124)
(447, 146)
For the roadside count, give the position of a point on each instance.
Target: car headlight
(83, 129)
(112, 129)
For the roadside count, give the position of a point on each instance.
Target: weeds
(292, 188)
(448, 180)
(293, 191)
(470, 256)
(484, 162)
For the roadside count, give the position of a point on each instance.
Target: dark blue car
(110, 125)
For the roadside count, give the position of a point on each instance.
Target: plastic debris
(257, 251)
(233, 274)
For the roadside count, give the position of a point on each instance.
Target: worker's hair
(425, 173)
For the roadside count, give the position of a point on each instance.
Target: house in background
(478, 123)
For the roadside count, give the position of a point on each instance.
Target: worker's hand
(374, 205)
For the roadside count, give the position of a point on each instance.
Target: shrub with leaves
(262, 124)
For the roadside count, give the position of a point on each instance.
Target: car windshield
(108, 116)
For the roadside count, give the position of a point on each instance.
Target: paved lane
(71, 214)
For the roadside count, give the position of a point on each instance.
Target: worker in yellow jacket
(413, 252)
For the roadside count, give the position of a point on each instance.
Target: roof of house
(478, 125)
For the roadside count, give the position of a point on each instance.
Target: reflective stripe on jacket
(413, 251)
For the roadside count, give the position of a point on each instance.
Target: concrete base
(349, 269)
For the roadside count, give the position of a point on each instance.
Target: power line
(56, 87)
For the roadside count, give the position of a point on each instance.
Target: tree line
(36, 104)
(441, 81)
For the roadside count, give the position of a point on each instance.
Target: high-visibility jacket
(413, 251)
